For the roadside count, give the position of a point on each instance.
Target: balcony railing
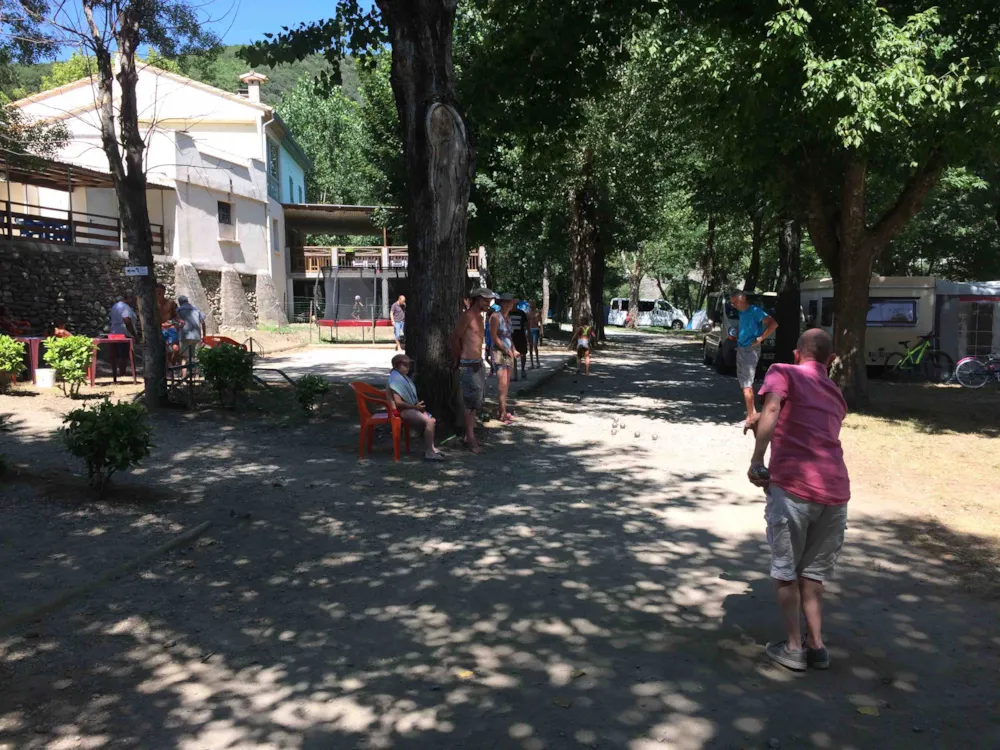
(314, 259)
(27, 221)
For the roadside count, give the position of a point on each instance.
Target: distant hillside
(222, 71)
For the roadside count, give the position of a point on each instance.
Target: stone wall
(46, 283)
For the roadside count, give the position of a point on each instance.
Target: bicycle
(974, 373)
(924, 361)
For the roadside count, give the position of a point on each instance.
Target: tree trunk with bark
(633, 272)
(129, 179)
(546, 293)
(789, 305)
(597, 288)
(756, 241)
(849, 247)
(707, 265)
(440, 163)
(583, 241)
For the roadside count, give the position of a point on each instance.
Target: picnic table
(34, 343)
(112, 339)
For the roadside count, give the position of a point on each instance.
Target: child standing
(581, 342)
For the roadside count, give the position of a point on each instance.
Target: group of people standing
(182, 328)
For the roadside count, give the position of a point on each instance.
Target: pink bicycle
(975, 373)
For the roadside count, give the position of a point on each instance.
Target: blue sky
(243, 21)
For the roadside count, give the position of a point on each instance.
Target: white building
(222, 167)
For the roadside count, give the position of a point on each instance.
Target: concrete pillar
(269, 308)
(188, 283)
(236, 312)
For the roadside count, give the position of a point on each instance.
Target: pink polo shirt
(806, 457)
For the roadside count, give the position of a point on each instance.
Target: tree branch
(908, 204)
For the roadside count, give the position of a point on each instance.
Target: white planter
(45, 378)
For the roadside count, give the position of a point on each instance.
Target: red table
(33, 343)
(108, 340)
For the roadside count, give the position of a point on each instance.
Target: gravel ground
(580, 586)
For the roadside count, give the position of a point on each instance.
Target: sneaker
(816, 658)
(779, 653)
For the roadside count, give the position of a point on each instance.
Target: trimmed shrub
(108, 437)
(70, 357)
(227, 368)
(11, 360)
(309, 391)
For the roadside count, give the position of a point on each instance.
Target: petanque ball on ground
(637, 434)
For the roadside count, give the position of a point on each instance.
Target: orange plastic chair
(213, 341)
(369, 396)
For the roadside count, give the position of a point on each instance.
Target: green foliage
(70, 357)
(108, 437)
(73, 69)
(329, 127)
(11, 360)
(227, 368)
(309, 389)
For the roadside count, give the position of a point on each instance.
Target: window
(625, 305)
(272, 170)
(812, 317)
(227, 224)
(883, 312)
(976, 320)
(826, 319)
(302, 198)
(645, 306)
(291, 189)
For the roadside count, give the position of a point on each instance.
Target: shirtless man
(467, 352)
(534, 334)
(169, 324)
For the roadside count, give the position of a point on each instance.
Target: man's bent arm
(770, 326)
(765, 427)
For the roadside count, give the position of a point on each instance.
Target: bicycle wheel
(938, 367)
(972, 373)
(893, 370)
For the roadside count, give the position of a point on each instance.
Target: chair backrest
(116, 336)
(368, 395)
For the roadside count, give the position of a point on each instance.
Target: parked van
(657, 312)
(719, 344)
(961, 315)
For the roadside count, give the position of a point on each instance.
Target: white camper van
(963, 316)
(652, 312)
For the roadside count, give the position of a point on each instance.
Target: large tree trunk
(789, 304)
(440, 162)
(546, 294)
(633, 271)
(839, 230)
(597, 287)
(583, 242)
(129, 179)
(756, 240)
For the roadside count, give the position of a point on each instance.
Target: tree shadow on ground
(543, 597)
(938, 409)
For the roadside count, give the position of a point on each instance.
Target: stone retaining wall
(76, 286)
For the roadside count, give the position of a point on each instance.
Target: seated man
(12, 326)
(403, 393)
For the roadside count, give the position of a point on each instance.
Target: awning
(59, 175)
(326, 218)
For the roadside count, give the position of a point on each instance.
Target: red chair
(213, 341)
(369, 397)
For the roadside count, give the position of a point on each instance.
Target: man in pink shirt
(807, 492)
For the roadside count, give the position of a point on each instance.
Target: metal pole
(69, 189)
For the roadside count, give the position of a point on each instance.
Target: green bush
(309, 389)
(227, 368)
(108, 437)
(11, 360)
(70, 357)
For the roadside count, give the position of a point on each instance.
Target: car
(719, 344)
(657, 312)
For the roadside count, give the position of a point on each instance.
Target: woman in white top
(582, 343)
(403, 393)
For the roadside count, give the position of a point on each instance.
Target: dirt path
(574, 588)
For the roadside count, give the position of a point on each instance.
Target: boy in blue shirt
(755, 326)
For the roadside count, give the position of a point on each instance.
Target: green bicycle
(920, 363)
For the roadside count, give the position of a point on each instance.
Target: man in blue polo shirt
(755, 326)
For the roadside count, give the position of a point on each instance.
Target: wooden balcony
(312, 260)
(27, 221)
